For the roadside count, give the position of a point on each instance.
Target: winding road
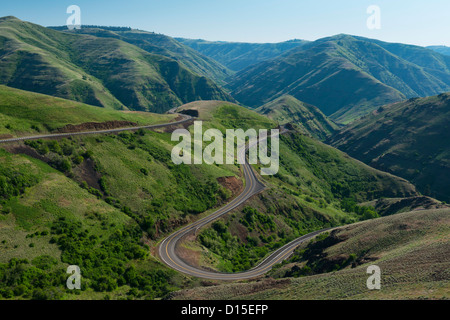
(167, 247)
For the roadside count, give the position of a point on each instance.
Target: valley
(88, 175)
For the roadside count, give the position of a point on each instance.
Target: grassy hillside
(103, 202)
(310, 119)
(162, 45)
(310, 192)
(27, 113)
(98, 71)
(411, 249)
(346, 77)
(408, 139)
(240, 55)
(48, 222)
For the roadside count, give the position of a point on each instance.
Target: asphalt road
(168, 247)
(71, 134)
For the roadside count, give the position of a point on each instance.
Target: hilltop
(104, 72)
(161, 45)
(345, 76)
(410, 248)
(309, 118)
(24, 113)
(240, 55)
(408, 139)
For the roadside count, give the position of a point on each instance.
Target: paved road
(167, 248)
(70, 134)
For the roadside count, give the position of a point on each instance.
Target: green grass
(410, 248)
(309, 118)
(344, 76)
(23, 112)
(305, 195)
(408, 139)
(104, 72)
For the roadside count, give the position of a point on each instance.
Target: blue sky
(408, 21)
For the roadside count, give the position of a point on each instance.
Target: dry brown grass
(412, 249)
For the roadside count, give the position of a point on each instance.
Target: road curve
(167, 248)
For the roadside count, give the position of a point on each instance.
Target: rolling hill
(24, 113)
(408, 139)
(345, 76)
(106, 200)
(308, 193)
(240, 55)
(104, 72)
(162, 45)
(310, 119)
(411, 249)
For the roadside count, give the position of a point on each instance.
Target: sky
(417, 22)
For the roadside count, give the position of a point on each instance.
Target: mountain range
(362, 151)
(309, 118)
(408, 139)
(240, 55)
(345, 76)
(441, 49)
(101, 71)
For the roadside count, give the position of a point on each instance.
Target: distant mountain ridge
(162, 45)
(345, 76)
(440, 49)
(99, 71)
(240, 55)
(408, 139)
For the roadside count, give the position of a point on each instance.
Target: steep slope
(162, 45)
(308, 193)
(309, 118)
(441, 49)
(24, 113)
(240, 55)
(411, 249)
(106, 200)
(408, 139)
(99, 71)
(345, 76)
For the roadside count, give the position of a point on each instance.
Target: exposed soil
(231, 183)
(20, 148)
(191, 257)
(86, 172)
(92, 126)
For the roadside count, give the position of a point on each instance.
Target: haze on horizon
(411, 22)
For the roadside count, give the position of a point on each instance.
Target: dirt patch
(189, 256)
(231, 183)
(6, 136)
(86, 172)
(19, 148)
(167, 226)
(93, 126)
